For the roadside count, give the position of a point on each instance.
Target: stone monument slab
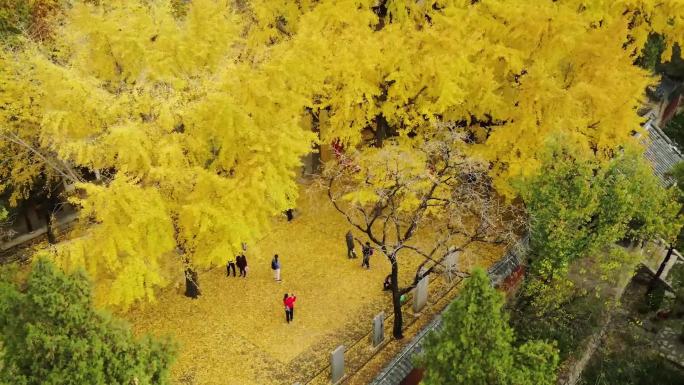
(451, 265)
(337, 364)
(378, 329)
(420, 294)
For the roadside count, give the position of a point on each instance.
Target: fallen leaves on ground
(236, 333)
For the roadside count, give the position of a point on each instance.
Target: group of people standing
(241, 262)
(366, 250)
(289, 299)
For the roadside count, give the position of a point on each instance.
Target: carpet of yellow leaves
(236, 333)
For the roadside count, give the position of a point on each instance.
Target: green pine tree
(651, 54)
(50, 334)
(475, 344)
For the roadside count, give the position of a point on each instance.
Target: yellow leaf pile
(236, 333)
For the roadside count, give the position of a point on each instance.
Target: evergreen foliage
(651, 54)
(475, 344)
(51, 335)
(578, 207)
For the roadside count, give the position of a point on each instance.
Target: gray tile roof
(661, 152)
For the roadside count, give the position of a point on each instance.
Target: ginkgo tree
(192, 111)
(420, 198)
(31, 173)
(509, 73)
(193, 137)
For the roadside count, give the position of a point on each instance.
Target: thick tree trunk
(316, 154)
(47, 213)
(48, 207)
(381, 130)
(662, 266)
(396, 302)
(27, 217)
(192, 289)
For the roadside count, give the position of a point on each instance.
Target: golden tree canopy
(509, 73)
(200, 142)
(193, 113)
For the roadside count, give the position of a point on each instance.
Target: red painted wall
(414, 377)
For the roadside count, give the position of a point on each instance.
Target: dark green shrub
(655, 298)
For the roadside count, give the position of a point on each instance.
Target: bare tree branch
(424, 183)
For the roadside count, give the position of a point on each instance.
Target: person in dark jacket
(367, 251)
(241, 262)
(230, 265)
(275, 266)
(387, 285)
(350, 245)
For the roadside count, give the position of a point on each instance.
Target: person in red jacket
(288, 301)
